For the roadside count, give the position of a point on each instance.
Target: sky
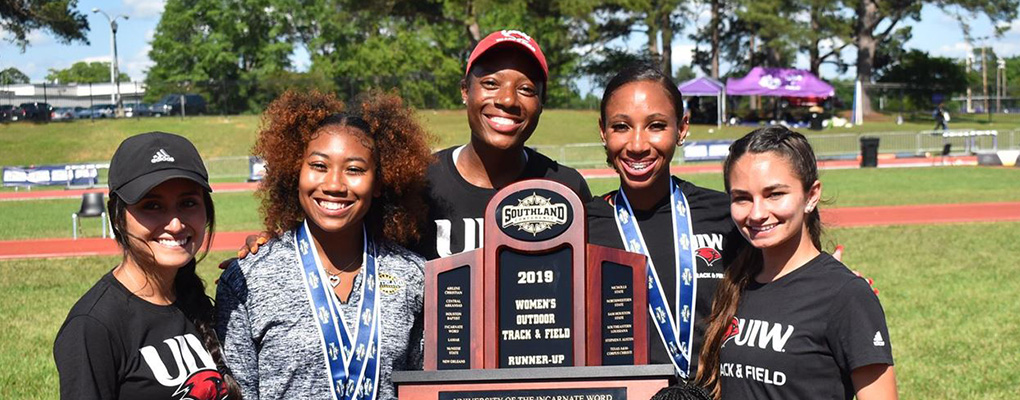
(937, 33)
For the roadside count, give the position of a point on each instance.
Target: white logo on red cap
(517, 36)
(161, 156)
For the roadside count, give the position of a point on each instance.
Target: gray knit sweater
(270, 339)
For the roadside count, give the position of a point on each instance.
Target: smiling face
(337, 180)
(169, 222)
(503, 94)
(641, 132)
(768, 202)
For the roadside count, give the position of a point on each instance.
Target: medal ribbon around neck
(351, 361)
(677, 339)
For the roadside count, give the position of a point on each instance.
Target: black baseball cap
(146, 160)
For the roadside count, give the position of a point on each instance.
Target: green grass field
(843, 188)
(219, 136)
(951, 312)
(948, 290)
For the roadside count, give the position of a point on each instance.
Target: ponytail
(727, 297)
(198, 308)
(795, 148)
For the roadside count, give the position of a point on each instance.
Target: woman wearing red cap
(504, 89)
(145, 330)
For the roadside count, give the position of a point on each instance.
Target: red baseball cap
(518, 39)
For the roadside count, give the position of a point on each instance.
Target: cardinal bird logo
(206, 384)
(732, 331)
(708, 254)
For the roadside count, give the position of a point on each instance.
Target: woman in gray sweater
(332, 304)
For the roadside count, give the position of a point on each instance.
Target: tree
(419, 48)
(875, 20)
(827, 35)
(223, 50)
(751, 33)
(925, 77)
(82, 72)
(20, 17)
(720, 23)
(657, 19)
(11, 76)
(609, 61)
(771, 22)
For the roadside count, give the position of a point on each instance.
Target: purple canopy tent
(779, 82)
(705, 86)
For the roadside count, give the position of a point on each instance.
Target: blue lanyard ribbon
(676, 337)
(352, 361)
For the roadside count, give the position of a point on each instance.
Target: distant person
(333, 303)
(790, 321)
(941, 117)
(145, 330)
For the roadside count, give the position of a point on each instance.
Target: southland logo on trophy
(534, 214)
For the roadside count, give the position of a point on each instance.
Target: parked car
(9, 112)
(103, 111)
(137, 110)
(171, 105)
(36, 111)
(82, 112)
(62, 114)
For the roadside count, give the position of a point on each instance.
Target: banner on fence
(707, 150)
(69, 174)
(256, 169)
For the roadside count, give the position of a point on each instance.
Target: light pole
(970, 63)
(1000, 83)
(114, 75)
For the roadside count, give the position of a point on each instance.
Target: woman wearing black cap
(145, 330)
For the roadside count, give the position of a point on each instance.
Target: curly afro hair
(397, 140)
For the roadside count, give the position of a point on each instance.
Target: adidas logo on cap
(161, 156)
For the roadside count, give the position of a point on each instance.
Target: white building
(73, 95)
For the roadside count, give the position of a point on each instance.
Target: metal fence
(917, 143)
(593, 155)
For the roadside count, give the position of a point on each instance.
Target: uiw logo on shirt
(194, 371)
(757, 333)
(471, 235)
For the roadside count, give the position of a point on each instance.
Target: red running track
(839, 217)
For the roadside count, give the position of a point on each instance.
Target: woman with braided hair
(145, 330)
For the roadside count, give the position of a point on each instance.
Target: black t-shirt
(456, 206)
(717, 242)
(116, 345)
(801, 336)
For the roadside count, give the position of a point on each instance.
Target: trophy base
(624, 382)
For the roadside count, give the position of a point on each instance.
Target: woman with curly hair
(332, 304)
